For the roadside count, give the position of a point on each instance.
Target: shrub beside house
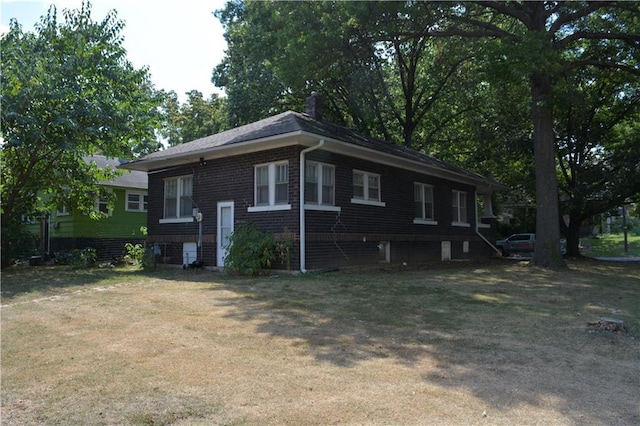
(341, 198)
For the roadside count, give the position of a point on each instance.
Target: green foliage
(141, 256)
(251, 251)
(196, 118)
(611, 245)
(136, 253)
(83, 258)
(68, 91)
(17, 243)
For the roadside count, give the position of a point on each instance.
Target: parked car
(516, 243)
(522, 243)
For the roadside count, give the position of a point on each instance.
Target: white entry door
(225, 229)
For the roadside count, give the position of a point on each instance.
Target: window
(102, 206)
(28, 219)
(366, 188)
(136, 202)
(271, 187)
(423, 204)
(62, 211)
(459, 208)
(262, 186)
(178, 204)
(319, 184)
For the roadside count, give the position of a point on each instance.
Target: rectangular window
(366, 188)
(358, 185)
(136, 202)
(282, 183)
(271, 189)
(177, 198)
(423, 202)
(328, 185)
(262, 186)
(311, 183)
(186, 193)
(459, 207)
(103, 206)
(319, 184)
(63, 211)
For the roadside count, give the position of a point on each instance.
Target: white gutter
(303, 237)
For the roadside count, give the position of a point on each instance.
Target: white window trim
(272, 206)
(276, 207)
(425, 222)
(63, 212)
(180, 219)
(366, 200)
(422, 220)
(320, 206)
(142, 194)
(461, 224)
(102, 201)
(177, 220)
(28, 219)
(457, 193)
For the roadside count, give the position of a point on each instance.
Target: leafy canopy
(68, 91)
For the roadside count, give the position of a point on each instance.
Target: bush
(250, 250)
(140, 255)
(82, 258)
(135, 253)
(17, 243)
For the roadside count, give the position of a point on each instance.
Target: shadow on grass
(512, 334)
(20, 280)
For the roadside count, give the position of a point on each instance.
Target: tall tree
(196, 118)
(599, 146)
(543, 40)
(68, 91)
(373, 63)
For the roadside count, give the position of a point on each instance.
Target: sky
(179, 40)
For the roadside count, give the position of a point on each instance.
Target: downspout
(303, 237)
(483, 237)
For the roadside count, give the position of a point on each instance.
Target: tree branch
(572, 17)
(586, 35)
(514, 11)
(600, 64)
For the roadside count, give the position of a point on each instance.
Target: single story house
(342, 198)
(65, 230)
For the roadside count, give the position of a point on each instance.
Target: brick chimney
(314, 106)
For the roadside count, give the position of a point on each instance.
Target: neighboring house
(364, 201)
(64, 231)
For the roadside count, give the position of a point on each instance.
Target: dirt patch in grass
(499, 343)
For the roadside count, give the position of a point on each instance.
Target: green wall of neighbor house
(120, 224)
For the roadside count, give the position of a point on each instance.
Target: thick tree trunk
(547, 247)
(572, 232)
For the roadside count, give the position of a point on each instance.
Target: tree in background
(68, 91)
(372, 62)
(598, 136)
(196, 118)
(544, 41)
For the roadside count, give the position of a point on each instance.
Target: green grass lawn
(611, 245)
(498, 342)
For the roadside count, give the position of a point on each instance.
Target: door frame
(220, 252)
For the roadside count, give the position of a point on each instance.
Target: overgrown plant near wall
(251, 251)
(136, 253)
